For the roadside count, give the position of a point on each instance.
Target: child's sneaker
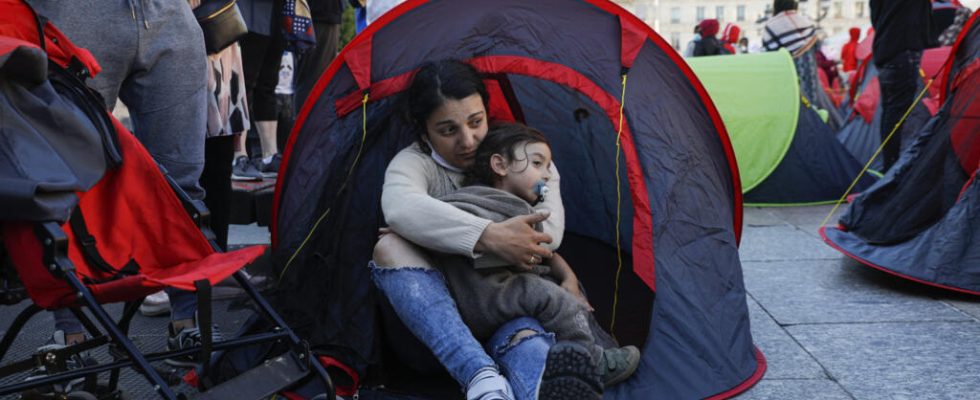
(243, 170)
(570, 373)
(269, 169)
(185, 339)
(619, 364)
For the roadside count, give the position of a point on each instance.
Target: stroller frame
(277, 373)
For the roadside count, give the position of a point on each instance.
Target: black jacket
(709, 46)
(900, 25)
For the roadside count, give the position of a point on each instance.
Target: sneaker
(155, 304)
(187, 338)
(570, 373)
(243, 170)
(488, 384)
(618, 364)
(75, 361)
(270, 169)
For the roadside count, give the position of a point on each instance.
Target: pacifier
(541, 189)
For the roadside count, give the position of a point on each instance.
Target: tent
(557, 65)
(922, 220)
(861, 133)
(786, 154)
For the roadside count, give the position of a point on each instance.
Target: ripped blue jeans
(422, 301)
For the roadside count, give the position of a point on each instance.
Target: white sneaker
(155, 304)
(488, 384)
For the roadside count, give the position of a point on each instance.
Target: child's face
(520, 176)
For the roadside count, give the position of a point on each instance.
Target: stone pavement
(832, 328)
(829, 327)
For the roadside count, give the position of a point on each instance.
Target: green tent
(786, 154)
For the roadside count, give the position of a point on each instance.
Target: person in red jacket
(848, 54)
(730, 36)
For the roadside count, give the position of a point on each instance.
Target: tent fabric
(676, 163)
(920, 220)
(786, 154)
(758, 99)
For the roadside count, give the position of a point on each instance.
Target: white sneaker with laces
(155, 304)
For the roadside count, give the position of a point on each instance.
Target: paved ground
(830, 328)
(833, 329)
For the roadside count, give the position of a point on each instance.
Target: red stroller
(130, 230)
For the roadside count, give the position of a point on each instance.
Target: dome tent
(861, 133)
(920, 221)
(680, 197)
(786, 154)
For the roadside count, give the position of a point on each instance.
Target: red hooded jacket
(848, 53)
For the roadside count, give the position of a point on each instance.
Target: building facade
(675, 19)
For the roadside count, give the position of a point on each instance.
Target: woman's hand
(515, 241)
(194, 3)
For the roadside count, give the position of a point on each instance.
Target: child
(508, 176)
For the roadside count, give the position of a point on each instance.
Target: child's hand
(571, 285)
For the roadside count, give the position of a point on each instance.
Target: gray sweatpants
(153, 59)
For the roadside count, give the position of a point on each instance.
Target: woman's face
(456, 128)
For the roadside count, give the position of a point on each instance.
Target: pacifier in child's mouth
(541, 189)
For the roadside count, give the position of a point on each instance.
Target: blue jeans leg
(65, 321)
(183, 304)
(522, 362)
(422, 301)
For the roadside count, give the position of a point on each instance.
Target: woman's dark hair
(504, 139)
(779, 6)
(434, 83)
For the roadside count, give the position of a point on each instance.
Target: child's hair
(503, 138)
(433, 84)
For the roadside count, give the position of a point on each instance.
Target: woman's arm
(415, 215)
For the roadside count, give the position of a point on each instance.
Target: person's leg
(167, 91)
(898, 80)
(216, 181)
(71, 328)
(314, 62)
(521, 347)
(419, 295)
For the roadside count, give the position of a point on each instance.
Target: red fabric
(848, 57)
(709, 27)
(731, 34)
(632, 38)
(965, 134)
(133, 214)
(17, 21)
(863, 50)
(946, 84)
(499, 109)
(867, 102)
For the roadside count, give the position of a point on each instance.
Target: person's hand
(384, 230)
(515, 240)
(194, 3)
(571, 285)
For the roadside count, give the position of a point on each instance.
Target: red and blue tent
(922, 220)
(667, 194)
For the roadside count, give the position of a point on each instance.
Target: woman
(447, 103)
